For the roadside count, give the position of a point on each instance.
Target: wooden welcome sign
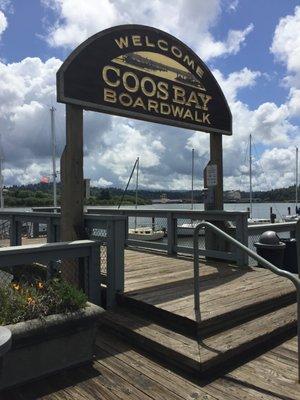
(140, 72)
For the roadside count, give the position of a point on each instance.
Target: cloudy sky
(252, 47)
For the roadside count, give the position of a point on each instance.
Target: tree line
(40, 194)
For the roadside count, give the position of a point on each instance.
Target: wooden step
(210, 325)
(203, 356)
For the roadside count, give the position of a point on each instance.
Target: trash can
(290, 262)
(271, 248)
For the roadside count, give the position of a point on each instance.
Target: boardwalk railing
(171, 221)
(108, 230)
(86, 252)
(292, 277)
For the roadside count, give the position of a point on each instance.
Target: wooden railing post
(51, 238)
(172, 233)
(51, 231)
(35, 229)
(115, 260)
(297, 231)
(93, 281)
(15, 232)
(242, 237)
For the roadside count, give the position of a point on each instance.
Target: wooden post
(172, 234)
(216, 157)
(72, 191)
(212, 242)
(115, 260)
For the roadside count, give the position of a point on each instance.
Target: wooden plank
(167, 283)
(204, 354)
(223, 389)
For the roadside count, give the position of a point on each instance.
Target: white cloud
(3, 23)
(27, 89)
(235, 81)
(286, 49)
(101, 182)
(125, 145)
(233, 5)
(77, 20)
(286, 41)
(209, 48)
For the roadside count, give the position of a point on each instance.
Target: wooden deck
(243, 311)
(165, 285)
(121, 372)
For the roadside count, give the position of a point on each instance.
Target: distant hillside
(40, 194)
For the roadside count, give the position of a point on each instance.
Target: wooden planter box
(42, 346)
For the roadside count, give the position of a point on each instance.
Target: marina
(158, 292)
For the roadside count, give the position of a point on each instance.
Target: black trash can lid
(270, 240)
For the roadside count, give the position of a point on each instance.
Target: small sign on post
(211, 175)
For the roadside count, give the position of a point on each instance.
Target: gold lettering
(136, 40)
(162, 88)
(149, 93)
(205, 99)
(189, 62)
(110, 95)
(153, 105)
(162, 44)
(139, 103)
(199, 71)
(132, 89)
(122, 42)
(176, 51)
(197, 118)
(188, 114)
(177, 111)
(205, 118)
(193, 99)
(106, 80)
(125, 99)
(165, 108)
(148, 43)
(179, 95)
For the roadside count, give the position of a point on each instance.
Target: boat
(187, 229)
(296, 216)
(258, 221)
(145, 233)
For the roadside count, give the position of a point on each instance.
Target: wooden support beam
(72, 190)
(72, 176)
(212, 242)
(216, 157)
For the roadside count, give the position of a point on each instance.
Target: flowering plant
(23, 301)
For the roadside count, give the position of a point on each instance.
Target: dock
(121, 371)
(152, 344)
(242, 309)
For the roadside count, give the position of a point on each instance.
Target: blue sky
(252, 47)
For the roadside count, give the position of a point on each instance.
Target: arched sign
(140, 72)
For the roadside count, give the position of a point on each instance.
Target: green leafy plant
(22, 302)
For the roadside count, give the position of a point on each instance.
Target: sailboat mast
(136, 188)
(53, 138)
(297, 182)
(250, 174)
(1, 181)
(193, 164)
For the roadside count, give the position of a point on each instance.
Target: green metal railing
(292, 277)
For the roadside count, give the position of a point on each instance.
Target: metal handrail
(292, 277)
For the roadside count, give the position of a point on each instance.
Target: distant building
(164, 200)
(233, 195)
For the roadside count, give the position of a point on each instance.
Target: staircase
(206, 348)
